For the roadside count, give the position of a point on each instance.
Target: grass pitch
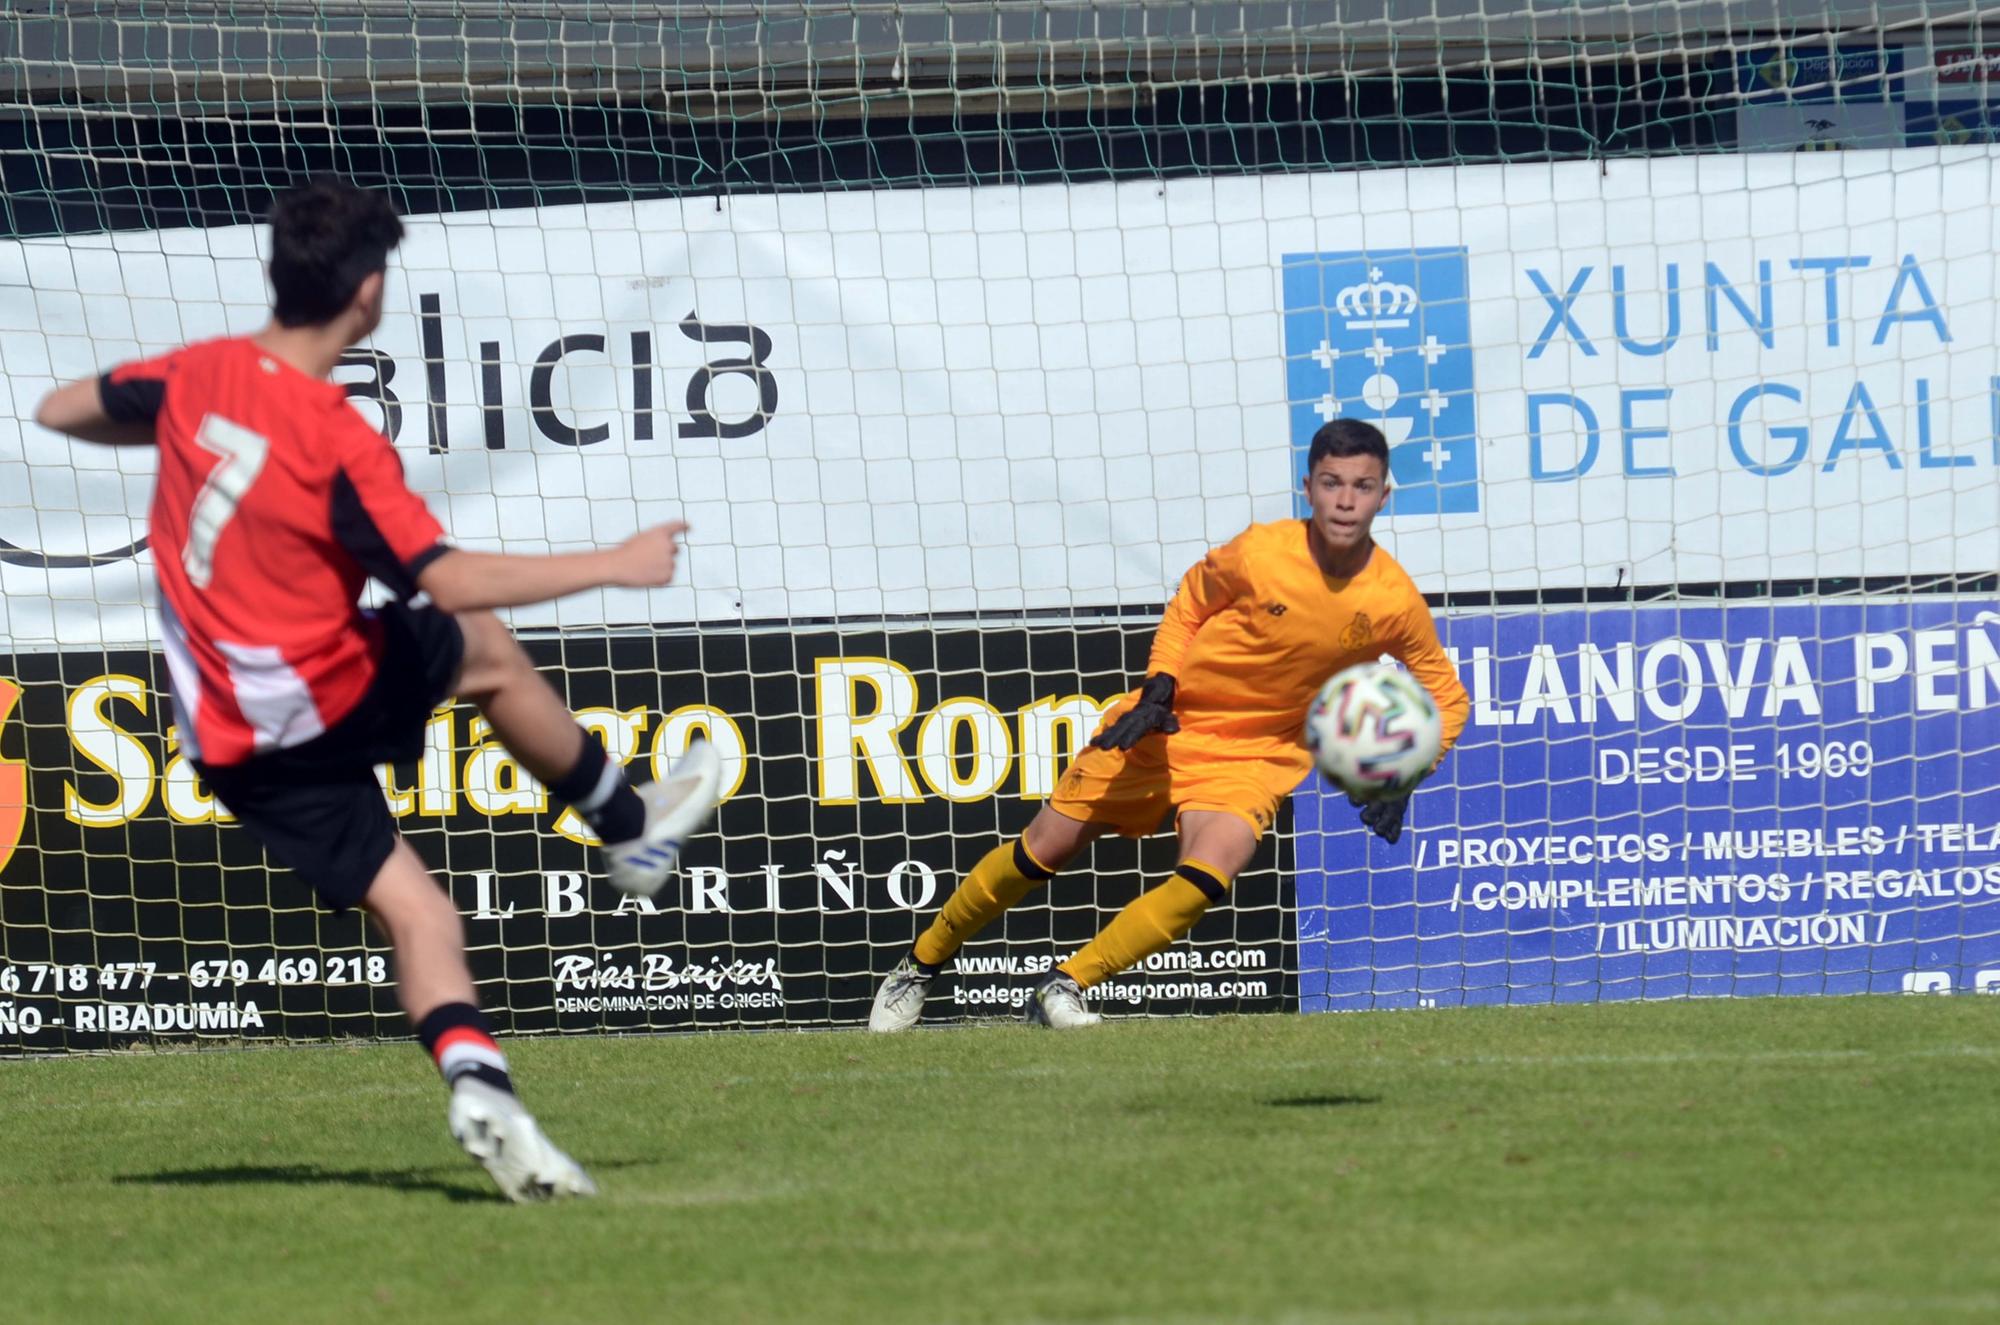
(1769, 1160)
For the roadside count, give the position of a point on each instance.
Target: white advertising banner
(942, 401)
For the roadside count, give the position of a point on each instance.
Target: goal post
(957, 333)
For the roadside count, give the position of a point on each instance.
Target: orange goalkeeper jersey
(1257, 627)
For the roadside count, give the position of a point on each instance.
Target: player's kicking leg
(435, 988)
(643, 828)
(1003, 877)
(319, 812)
(1215, 846)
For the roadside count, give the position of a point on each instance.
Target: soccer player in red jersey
(275, 504)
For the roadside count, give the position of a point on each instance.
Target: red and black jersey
(275, 504)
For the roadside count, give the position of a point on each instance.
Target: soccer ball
(1374, 731)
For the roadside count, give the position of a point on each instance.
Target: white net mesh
(957, 333)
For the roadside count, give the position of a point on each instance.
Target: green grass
(1768, 1160)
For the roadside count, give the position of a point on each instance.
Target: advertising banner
(1952, 73)
(1811, 96)
(946, 401)
(867, 773)
(1949, 94)
(1665, 802)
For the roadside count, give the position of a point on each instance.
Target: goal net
(957, 333)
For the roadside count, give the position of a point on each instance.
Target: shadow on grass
(458, 1183)
(453, 1187)
(1321, 1101)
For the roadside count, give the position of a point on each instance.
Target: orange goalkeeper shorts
(1132, 791)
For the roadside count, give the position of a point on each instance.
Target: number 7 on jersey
(242, 455)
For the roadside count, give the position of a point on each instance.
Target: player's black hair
(1345, 437)
(327, 236)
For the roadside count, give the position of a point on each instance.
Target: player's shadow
(1326, 1101)
(313, 1175)
(453, 1182)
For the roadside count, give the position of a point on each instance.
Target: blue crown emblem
(1386, 338)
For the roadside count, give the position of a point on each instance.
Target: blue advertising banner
(1952, 123)
(1815, 71)
(1675, 801)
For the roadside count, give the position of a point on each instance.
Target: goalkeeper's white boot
(900, 1001)
(495, 1130)
(677, 807)
(1057, 1002)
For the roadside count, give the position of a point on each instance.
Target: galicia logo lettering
(710, 381)
(13, 781)
(1386, 338)
(13, 554)
(378, 388)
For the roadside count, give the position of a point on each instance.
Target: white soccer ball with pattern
(1374, 731)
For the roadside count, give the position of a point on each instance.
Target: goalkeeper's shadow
(1321, 1101)
(454, 1182)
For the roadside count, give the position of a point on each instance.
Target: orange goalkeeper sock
(1149, 924)
(1002, 877)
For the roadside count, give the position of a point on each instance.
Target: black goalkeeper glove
(1153, 713)
(1384, 818)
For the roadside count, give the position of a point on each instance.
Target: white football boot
(495, 1130)
(677, 807)
(900, 1000)
(1057, 1002)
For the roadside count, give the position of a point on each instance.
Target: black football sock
(596, 789)
(459, 1040)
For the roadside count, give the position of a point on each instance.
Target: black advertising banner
(868, 771)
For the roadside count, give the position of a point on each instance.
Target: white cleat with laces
(494, 1129)
(899, 1003)
(677, 807)
(1057, 1002)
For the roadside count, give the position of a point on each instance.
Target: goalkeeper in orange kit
(1214, 732)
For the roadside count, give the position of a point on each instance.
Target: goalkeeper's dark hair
(1346, 437)
(327, 236)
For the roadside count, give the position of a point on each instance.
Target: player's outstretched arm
(1210, 585)
(461, 581)
(1416, 645)
(78, 409)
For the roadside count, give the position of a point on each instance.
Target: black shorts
(317, 807)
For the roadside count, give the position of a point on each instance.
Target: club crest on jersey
(1360, 633)
(13, 781)
(1385, 337)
